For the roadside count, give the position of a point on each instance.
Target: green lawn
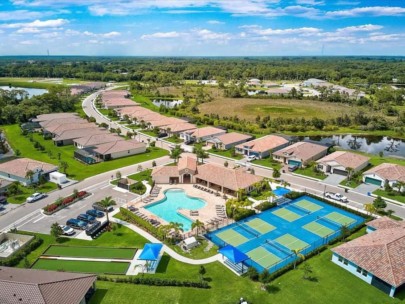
(91, 252)
(76, 170)
(82, 266)
(173, 140)
(352, 183)
(309, 171)
(148, 132)
(27, 191)
(119, 237)
(394, 195)
(226, 153)
(267, 162)
(141, 176)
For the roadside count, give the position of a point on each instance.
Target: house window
(340, 259)
(128, 151)
(346, 262)
(359, 269)
(364, 273)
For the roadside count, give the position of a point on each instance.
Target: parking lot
(41, 223)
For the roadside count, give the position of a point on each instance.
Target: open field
(76, 169)
(91, 252)
(82, 266)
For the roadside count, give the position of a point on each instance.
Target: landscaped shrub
(265, 206)
(64, 202)
(155, 281)
(237, 210)
(18, 256)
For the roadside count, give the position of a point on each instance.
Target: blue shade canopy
(150, 252)
(233, 254)
(281, 191)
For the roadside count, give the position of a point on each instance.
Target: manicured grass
(82, 266)
(27, 191)
(173, 140)
(267, 162)
(226, 153)
(141, 176)
(119, 237)
(393, 195)
(309, 171)
(148, 132)
(352, 183)
(332, 284)
(91, 252)
(198, 252)
(76, 169)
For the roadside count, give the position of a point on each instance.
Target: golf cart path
(168, 250)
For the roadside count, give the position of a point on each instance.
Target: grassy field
(38, 82)
(91, 252)
(82, 266)
(76, 169)
(27, 191)
(268, 163)
(331, 284)
(395, 196)
(141, 176)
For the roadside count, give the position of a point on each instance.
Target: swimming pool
(176, 199)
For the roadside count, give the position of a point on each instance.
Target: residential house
(263, 146)
(94, 140)
(213, 176)
(313, 82)
(279, 91)
(339, 162)
(300, 153)
(60, 121)
(385, 173)
(58, 129)
(19, 285)
(228, 140)
(79, 89)
(178, 128)
(17, 169)
(46, 117)
(202, 134)
(378, 257)
(67, 137)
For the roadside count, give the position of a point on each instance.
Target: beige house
(68, 136)
(339, 161)
(46, 117)
(178, 128)
(300, 153)
(390, 173)
(118, 149)
(202, 134)
(94, 140)
(263, 146)
(213, 176)
(229, 140)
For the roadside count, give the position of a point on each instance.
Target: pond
(369, 144)
(31, 91)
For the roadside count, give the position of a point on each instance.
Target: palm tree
(344, 232)
(106, 202)
(29, 175)
(197, 225)
(400, 185)
(63, 166)
(349, 173)
(164, 229)
(370, 208)
(390, 212)
(241, 193)
(298, 255)
(177, 227)
(175, 153)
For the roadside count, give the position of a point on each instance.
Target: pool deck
(205, 214)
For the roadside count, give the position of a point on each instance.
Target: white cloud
(160, 35)
(215, 22)
(310, 2)
(38, 24)
(28, 30)
(302, 31)
(368, 11)
(205, 34)
(361, 28)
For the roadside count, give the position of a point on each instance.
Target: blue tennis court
(271, 237)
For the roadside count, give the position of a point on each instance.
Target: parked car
(250, 157)
(337, 197)
(160, 135)
(3, 199)
(86, 218)
(76, 224)
(292, 168)
(101, 208)
(189, 142)
(95, 213)
(35, 197)
(67, 230)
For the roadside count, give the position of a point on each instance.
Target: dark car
(95, 213)
(3, 199)
(101, 208)
(292, 168)
(86, 218)
(189, 142)
(76, 224)
(160, 135)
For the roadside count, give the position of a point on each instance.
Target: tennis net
(300, 208)
(326, 220)
(251, 231)
(279, 248)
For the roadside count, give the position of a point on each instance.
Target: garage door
(372, 181)
(294, 163)
(340, 172)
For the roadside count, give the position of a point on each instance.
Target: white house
(339, 161)
(379, 175)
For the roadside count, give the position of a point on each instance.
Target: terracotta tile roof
(131, 110)
(187, 163)
(233, 137)
(114, 94)
(118, 146)
(265, 143)
(207, 131)
(119, 102)
(81, 132)
(20, 166)
(60, 121)
(165, 121)
(96, 139)
(301, 150)
(171, 171)
(233, 179)
(381, 253)
(392, 172)
(345, 159)
(32, 286)
(59, 129)
(44, 117)
(180, 127)
(385, 223)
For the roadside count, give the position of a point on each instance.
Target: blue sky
(202, 27)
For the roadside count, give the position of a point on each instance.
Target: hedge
(64, 202)
(155, 281)
(19, 255)
(265, 206)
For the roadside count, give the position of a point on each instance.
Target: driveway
(334, 179)
(366, 188)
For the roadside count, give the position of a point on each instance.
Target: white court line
(42, 217)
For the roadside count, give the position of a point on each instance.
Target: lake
(369, 144)
(31, 91)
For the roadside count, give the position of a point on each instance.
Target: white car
(35, 197)
(337, 197)
(251, 157)
(67, 230)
